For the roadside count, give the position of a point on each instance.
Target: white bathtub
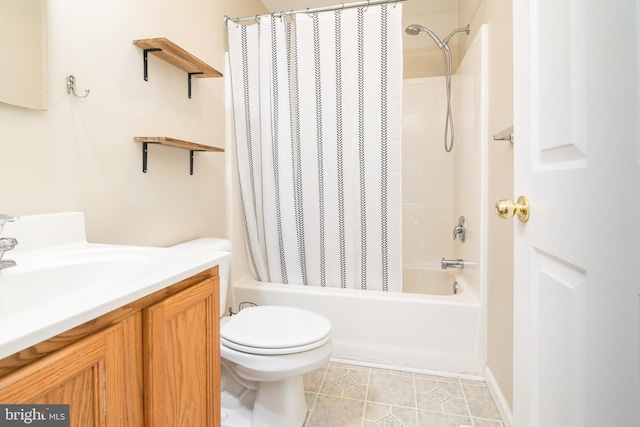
(439, 333)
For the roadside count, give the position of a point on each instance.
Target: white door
(577, 259)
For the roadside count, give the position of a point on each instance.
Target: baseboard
(406, 369)
(498, 398)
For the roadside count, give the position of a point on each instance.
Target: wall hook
(71, 87)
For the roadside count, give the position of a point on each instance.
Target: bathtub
(433, 333)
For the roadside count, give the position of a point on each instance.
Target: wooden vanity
(153, 362)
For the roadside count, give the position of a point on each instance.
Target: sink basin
(52, 277)
(62, 281)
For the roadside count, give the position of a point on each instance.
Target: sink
(61, 280)
(46, 278)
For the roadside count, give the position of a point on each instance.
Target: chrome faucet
(460, 229)
(6, 243)
(4, 218)
(452, 263)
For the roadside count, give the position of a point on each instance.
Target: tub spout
(451, 263)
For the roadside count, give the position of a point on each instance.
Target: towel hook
(71, 87)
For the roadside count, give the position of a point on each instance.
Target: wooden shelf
(175, 55)
(172, 142)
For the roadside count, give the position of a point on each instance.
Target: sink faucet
(451, 263)
(6, 243)
(4, 218)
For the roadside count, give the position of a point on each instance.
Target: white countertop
(30, 316)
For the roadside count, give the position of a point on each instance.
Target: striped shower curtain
(316, 105)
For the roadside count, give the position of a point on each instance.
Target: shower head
(415, 29)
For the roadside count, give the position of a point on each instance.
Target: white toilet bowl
(273, 347)
(266, 350)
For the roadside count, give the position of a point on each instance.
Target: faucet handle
(4, 218)
(7, 218)
(461, 229)
(7, 243)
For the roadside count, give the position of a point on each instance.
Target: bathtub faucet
(451, 263)
(460, 230)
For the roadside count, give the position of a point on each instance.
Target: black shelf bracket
(189, 82)
(146, 62)
(191, 156)
(144, 157)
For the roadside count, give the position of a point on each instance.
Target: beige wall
(80, 155)
(498, 14)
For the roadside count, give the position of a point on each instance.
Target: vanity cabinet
(182, 369)
(98, 376)
(154, 362)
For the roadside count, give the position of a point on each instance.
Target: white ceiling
(421, 56)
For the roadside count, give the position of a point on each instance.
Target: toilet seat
(273, 330)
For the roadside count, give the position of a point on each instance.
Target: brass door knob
(507, 209)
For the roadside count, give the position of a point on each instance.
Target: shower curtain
(316, 105)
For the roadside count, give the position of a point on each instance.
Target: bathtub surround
(318, 146)
(426, 226)
(458, 179)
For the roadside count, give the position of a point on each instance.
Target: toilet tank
(213, 244)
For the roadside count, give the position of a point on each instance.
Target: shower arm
(454, 32)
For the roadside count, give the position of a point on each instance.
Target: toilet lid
(275, 330)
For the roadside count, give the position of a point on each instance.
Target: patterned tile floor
(341, 395)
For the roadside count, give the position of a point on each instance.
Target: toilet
(265, 351)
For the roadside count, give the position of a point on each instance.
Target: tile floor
(341, 395)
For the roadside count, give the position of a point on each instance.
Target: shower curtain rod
(310, 10)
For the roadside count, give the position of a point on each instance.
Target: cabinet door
(100, 377)
(182, 358)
